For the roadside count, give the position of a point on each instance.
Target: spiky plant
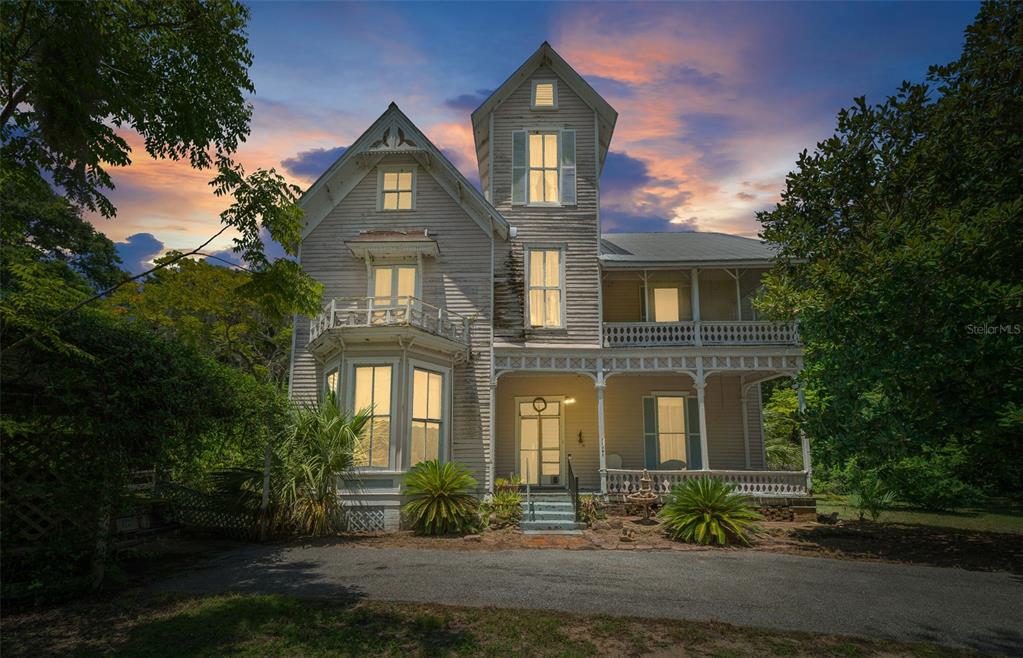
(439, 498)
(705, 510)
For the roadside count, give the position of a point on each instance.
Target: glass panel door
(540, 442)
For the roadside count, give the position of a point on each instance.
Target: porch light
(569, 400)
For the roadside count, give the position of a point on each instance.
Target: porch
(616, 425)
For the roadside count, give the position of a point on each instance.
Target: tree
(901, 239)
(75, 76)
(206, 307)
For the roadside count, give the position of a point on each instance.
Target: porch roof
(684, 248)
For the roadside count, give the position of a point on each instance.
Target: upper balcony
(687, 307)
(370, 319)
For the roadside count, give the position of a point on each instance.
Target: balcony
(366, 317)
(708, 332)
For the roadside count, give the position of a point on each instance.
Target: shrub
(513, 483)
(870, 496)
(591, 508)
(931, 481)
(503, 509)
(706, 510)
(440, 499)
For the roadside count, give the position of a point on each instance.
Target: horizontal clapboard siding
(574, 228)
(459, 279)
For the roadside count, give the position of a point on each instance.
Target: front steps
(549, 512)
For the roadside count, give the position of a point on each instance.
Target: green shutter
(695, 461)
(568, 167)
(650, 432)
(519, 166)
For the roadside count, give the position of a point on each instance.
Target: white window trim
(443, 450)
(652, 305)
(685, 395)
(381, 170)
(561, 191)
(334, 367)
(561, 438)
(392, 263)
(532, 95)
(396, 420)
(529, 248)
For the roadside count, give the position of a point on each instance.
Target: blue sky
(715, 101)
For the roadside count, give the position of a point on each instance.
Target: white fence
(779, 484)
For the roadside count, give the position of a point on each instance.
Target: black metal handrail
(573, 488)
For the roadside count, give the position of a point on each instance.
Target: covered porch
(616, 422)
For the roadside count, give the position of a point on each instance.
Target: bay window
(372, 393)
(427, 415)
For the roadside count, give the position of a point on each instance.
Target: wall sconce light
(580, 436)
(569, 400)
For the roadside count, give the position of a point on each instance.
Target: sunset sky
(715, 101)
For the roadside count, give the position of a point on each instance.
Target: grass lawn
(140, 624)
(1000, 516)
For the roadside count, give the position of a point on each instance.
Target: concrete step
(548, 504)
(529, 526)
(548, 516)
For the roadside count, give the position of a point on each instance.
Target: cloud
(468, 102)
(745, 196)
(312, 163)
(138, 251)
(632, 199)
(227, 257)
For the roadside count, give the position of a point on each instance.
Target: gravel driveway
(949, 606)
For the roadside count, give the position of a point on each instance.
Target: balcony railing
(706, 332)
(363, 312)
(767, 484)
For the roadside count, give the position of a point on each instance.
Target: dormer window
(545, 95)
(397, 187)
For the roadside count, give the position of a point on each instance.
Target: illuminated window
(393, 285)
(397, 188)
(671, 429)
(545, 95)
(330, 385)
(373, 394)
(427, 415)
(546, 288)
(543, 168)
(666, 305)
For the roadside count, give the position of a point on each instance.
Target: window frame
(684, 396)
(445, 410)
(334, 369)
(394, 454)
(653, 288)
(532, 94)
(393, 265)
(389, 169)
(528, 250)
(529, 200)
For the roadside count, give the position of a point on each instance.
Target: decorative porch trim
(764, 484)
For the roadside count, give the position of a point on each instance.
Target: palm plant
(705, 510)
(870, 496)
(440, 499)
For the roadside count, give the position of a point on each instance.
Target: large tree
(901, 242)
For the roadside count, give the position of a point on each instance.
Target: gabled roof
(393, 132)
(544, 55)
(683, 248)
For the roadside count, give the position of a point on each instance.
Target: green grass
(1001, 516)
(140, 624)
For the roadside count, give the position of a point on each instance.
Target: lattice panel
(371, 520)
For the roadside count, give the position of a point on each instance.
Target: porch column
(801, 397)
(694, 300)
(491, 438)
(744, 401)
(700, 386)
(601, 442)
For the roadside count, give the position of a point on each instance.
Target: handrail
(573, 487)
(367, 312)
(702, 332)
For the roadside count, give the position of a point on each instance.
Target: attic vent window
(545, 95)
(397, 188)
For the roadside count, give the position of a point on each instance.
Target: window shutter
(519, 166)
(650, 432)
(568, 167)
(695, 461)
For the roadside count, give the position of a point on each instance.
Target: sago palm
(706, 510)
(440, 499)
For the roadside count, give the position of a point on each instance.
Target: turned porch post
(801, 397)
(601, 441)
(701, 385)
(694, 300)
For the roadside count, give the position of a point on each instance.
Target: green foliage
(503, 509)
(705, 510)
(208, 308)
(591, 508)
(781, 429)
(870, 496)
(930, 481)
(511, 483)
(439, 498)
(900, 243)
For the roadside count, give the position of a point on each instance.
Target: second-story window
(397, 188)
(543, 167)
(393, 284)
(546, 290)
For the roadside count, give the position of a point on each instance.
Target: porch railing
(723, 332)
(573, 487)
(406, 311)
(767, 484)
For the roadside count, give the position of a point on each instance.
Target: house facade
(502, 330)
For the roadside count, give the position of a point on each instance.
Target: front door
(540, 432)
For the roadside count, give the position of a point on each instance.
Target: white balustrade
(765, 484)
(732, 332)
(369, 312)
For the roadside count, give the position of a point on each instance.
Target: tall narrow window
(543, 168)
(373, 393)
(393, 285)
(397, 187)
(330, 385)
(427, 415)
(671, 430)
(665, 304)
(545, 288)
